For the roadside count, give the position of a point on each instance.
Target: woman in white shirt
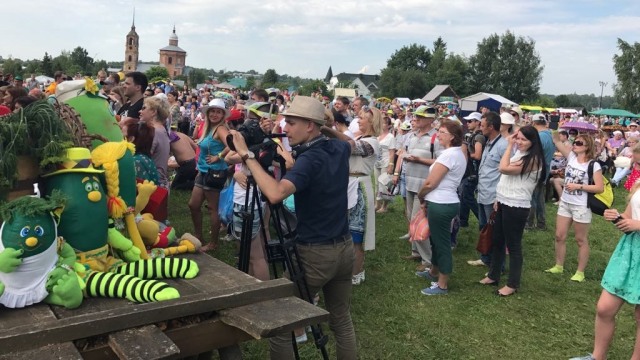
(573, 207)
(520, 175)
(384, 164)
(442, 203)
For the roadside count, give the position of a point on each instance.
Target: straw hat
(78, 161)
(307, 108)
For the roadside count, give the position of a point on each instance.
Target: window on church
(130, 41)
(129, 58)
(170, 60)
(179, 61)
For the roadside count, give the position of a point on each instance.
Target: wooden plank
(213, 276)
(41, 333)
(147, 342)
(272, 317)
(10, 318)
(62, 351)
(191, 339)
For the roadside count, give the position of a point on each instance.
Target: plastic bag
(225, 205)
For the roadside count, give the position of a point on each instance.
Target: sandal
(488, 282)
(505, 295)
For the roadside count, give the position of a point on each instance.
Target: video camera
(259, 142)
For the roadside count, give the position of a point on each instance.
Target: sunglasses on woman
(578, 143)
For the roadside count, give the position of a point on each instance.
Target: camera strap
(297, 150)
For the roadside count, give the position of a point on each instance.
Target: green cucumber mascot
(86, 226)
(35, 264)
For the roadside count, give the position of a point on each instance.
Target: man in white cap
(473, 144)
(319, 179)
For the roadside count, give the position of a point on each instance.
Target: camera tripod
(283, 250)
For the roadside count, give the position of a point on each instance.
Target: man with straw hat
(319, 179)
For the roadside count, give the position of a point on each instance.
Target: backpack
(598, 203)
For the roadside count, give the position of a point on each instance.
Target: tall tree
(414, 56)
(47, 66)
(196, 76)
(410, 83)
(79, 56)
(627, 68)
(439, 44)
(62, 62)
(313, 86)
(270, 78)
(12, 66)
(507, 65)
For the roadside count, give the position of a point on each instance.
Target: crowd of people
(345, 160)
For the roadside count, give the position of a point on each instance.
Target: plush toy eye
(96, 186)
(24, 232)
(38, 230)
(88, 187)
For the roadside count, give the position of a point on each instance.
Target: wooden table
(235, 307)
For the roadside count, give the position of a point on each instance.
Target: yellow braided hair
(107, 156)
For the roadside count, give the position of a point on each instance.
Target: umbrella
(580, 126)
(418, 101)
(222, 95)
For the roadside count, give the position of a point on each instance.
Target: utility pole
(602, 85)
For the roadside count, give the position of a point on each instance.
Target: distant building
(173, 57)
(366, 85)
(131, 48)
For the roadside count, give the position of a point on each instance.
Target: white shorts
(579, 213)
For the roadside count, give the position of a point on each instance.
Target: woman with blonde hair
(364, 153)
(620, 282)
(154, 113)
(573, 207)
(384, 164)
(212, 171)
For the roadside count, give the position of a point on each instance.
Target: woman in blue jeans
(520, 175)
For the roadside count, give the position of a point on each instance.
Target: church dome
(173, 35)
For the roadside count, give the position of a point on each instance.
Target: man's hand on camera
(239, 143)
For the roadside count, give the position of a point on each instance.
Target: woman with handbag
(440, 198)
(573, 208)
(520, 175)
(212, 171)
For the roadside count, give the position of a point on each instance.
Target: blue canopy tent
(491, 101)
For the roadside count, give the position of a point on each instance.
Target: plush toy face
(33, 234)
(84, 222)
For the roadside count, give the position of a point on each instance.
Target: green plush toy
(86, 225)
(36, 265)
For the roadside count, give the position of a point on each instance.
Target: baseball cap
(425, 112)
(405, 126)
(507, 119)
(539, 118)
(474, 116)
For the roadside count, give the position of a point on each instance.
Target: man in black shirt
(474, 142)
(135, 83)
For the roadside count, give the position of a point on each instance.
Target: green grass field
(550, 317)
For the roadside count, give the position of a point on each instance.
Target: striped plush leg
(163, 268)
(101, 284)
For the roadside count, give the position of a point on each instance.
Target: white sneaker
(476, 262)
(357, 279)
(404, 237)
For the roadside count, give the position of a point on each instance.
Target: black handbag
(216, 178)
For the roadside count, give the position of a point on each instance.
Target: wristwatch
(248, 155)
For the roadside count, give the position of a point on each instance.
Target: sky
(576, 40)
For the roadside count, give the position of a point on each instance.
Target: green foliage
(35, 131)
(410, 83)
(29, 206)
(196, 76)
(47, 65)
(627, 68)
(562, 101)
(506, 65)
(313, 86)
(99, 65)
(157, 72)
(270, 78)
(544, 101)
(412, 57)
(251, 83)
(12, 66)
(80, 57)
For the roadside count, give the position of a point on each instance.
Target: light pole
(602, 85)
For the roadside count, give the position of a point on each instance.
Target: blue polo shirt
(321, 175)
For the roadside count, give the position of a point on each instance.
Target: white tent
(567, 111)
(418, 101)
(43, 79)
(491, 101)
